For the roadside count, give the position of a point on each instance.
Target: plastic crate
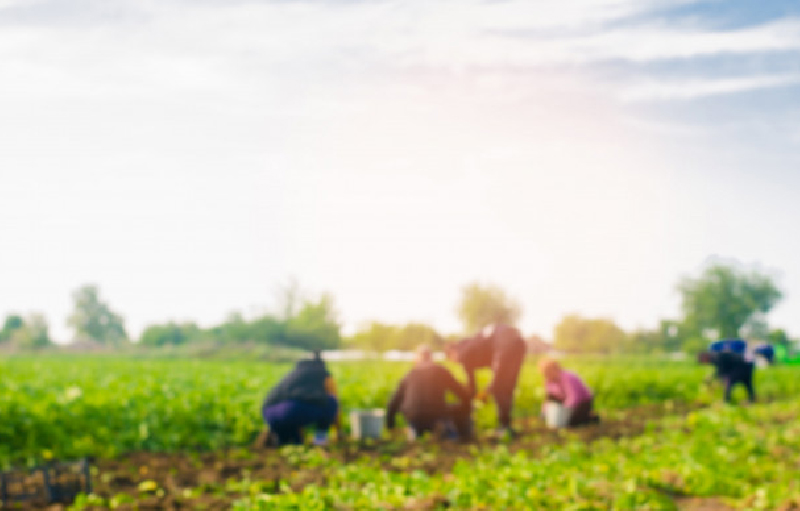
(65, 480)
(55, 482)
(25, 486)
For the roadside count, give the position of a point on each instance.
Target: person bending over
(731, 368)
(503, 350)
(421, 398)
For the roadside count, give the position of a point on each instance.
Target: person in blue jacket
(732, 369)
(305, 397)
(735, 345)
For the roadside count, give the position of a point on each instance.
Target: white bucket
(556, 415)
(366, 423)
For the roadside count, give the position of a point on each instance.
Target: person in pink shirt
(569, 389)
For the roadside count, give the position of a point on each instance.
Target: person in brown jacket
(420, 397)
(502, 350)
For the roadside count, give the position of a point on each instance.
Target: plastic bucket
(556, 415)
(366, 423)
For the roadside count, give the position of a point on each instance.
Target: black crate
(55, 482)
(22, 486)
(63, 481)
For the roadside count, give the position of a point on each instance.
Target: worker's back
(484, 349)
(507, 341)
(730, 364)
(306, 382)
(421, 395)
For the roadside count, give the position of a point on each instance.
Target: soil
(160, 481)
(701, 504)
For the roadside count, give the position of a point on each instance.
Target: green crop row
(98, 406)
(745, 457)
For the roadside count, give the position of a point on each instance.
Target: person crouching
(568, 389)
(421, 398)
(305, 397)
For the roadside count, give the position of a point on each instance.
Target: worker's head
(423, 354)
(550, 368)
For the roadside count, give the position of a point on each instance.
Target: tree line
(725, 300)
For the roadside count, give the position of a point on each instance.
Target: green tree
(33, 334)
(644, 341)
(381, 337)
(694, 345)
(235, 329)
(778, 337)
(673, 334)
(12, 322)
(375, 336)
(170, 334)
(670, 336)
(725, 298)
(92, 318)
(577, 334)
(268, 330)
(314, 325)
(412, 335)
(483, 305)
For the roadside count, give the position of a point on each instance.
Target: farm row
(719, 457)
(657, 457)
(65, 408)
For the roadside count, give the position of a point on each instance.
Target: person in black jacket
(304, 397)
(731, 368)
(421, 398)
(503, 350)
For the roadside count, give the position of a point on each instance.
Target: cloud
(688, 89)
(207, 47)
(639, 44)
(307, 58)
(650, 43)
(483, 34)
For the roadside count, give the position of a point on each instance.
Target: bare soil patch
(701, 504)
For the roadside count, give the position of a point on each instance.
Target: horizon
(303, 295)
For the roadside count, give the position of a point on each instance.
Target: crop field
(183, 434)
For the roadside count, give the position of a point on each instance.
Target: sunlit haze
(191, 158)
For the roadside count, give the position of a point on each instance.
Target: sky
(192, 158)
